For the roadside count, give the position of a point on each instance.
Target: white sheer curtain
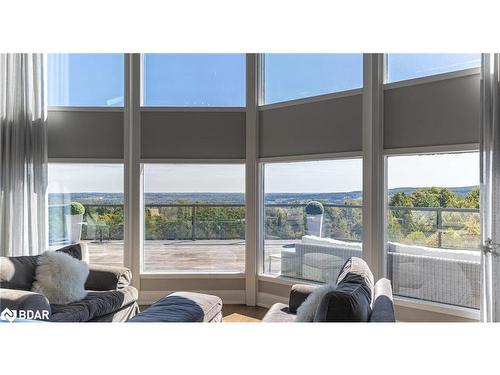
(490, 187)
(23, 155)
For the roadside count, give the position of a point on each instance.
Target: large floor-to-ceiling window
(194, 219)
(86, 205)
(312, 217)
(434, 227)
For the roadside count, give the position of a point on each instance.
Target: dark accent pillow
(75, 250)
(18, 272)
(350, 302)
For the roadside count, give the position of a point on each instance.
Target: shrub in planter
(77, 208)
(314, 208)
(314, 215)
(74, 222)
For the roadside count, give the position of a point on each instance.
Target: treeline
(448, 229)
(457, 229)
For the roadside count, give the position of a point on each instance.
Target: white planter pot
(314, 225)
(74, 227)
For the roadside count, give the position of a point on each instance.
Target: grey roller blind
(327, 126)
(85, 134)
(193, 134)
(437, 113)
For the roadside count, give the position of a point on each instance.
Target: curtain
(23, 155)
(490, 187)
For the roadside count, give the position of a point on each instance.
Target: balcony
(211, 237)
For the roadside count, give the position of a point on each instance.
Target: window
(404, 66)
(86, 79)
(296, 76)
(194, 218)
(434, 227)
(194, 80)
(86, 205)
(312, 217)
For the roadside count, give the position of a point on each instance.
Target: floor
(238, 313)
(243, 313)
(170, 256)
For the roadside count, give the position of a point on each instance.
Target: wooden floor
(243, 313)
(188, 256)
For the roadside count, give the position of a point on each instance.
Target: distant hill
(235, 198)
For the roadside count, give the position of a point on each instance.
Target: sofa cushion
(298, 294)
(102, 277)
(349, 302)
(94, 305)
(17, 299)
(75, 250)
(357, 266)
(182, 307)
(17, 272)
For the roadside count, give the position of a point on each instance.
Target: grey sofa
(110, 296)
(337, 306)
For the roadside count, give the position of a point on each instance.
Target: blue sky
(219, 80)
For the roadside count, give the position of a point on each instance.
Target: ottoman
(182, 307)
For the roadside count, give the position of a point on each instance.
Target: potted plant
(74, 222)
(314, 215)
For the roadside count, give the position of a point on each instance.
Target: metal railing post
(439, 226)
(193, 223)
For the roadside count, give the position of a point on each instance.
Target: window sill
(226, 275)
(462, 312)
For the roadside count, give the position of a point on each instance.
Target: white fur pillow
(60, 277)
(307, 310)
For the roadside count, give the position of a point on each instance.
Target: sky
(219, 80)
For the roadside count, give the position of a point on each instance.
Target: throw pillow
(60, 277)
(307, 310)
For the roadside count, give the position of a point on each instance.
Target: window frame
(261, 266)
(412, 303)
(143, 274)
(132, 176)
(117, 161)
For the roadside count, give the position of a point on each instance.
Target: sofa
(451, 276)
(318, 259)
(433, 274)
(339, 305)
(110, 296)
